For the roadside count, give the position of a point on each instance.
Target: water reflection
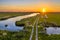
(53, 30)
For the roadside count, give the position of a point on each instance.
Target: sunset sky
(29, 5)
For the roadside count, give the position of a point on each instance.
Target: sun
(43, 10)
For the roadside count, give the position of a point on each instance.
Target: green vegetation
(6, 15)
(27, 21)
(3, 14)
(6, 35)
(21, 35)
(25, 34)
(52, 18)
(43, 36)
(28, 26)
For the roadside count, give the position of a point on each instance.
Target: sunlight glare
(43, 10)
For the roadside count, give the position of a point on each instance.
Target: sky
(29, 5)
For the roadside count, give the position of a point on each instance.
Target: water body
(53, 30)
(11, 22)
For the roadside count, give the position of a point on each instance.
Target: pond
(53, 30)
(9, 24)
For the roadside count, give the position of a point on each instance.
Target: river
(11, 22)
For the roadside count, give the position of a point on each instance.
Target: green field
(53, 17)
(3, 14)
(6, 15)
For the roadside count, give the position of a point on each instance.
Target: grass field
(53, 17)
(6, 15)
(3, 14)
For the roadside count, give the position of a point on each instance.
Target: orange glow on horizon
(29, 9)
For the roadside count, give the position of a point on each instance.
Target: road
(35, 25)
(37, 28)
(32, 33)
